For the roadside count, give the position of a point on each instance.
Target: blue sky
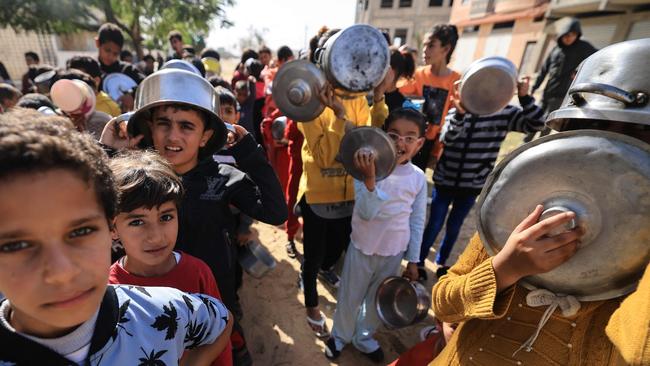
(287, 21)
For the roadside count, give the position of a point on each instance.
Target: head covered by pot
(355, 59)
(598, 167)
(179, 87)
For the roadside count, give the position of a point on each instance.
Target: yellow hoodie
(324, 180)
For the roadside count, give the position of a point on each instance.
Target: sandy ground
(274, 316)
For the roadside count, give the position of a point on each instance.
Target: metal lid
(604, 178)
(295, 90)
(613, 84)
(374, 140)
(174, 86)
(488, 85)
(117, 84)
(356, 58)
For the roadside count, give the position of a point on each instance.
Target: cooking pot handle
(608, 91)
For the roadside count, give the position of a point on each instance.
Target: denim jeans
(460, 207)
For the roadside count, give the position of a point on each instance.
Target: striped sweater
(472, 144)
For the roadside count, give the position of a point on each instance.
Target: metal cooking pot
(488, 85)
(401, 303)
(277, 127)
(612, 84)
(43, 81)
(178, 87)
(295, 90)
(371, 139)
(256, 259)
(356, 58)
(180, 65)
(603, 177)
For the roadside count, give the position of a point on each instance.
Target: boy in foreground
(147, 225)
(57, 200)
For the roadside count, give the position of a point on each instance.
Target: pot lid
(488, 85)
(116, 84)
(295, 90)
(372, 139)
(604, 178)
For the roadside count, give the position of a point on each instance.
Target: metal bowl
(488, 85)
(603, 177)
(401, 303)
(255, 259)
(117, 84)
(181, 65)
(277, 127)
(356, 58)
(371, 139)
(174, 86)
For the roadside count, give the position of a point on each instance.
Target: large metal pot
(488, 85)
(613, 84)
(178, 87)
(603, 177)
(356, 58)
(255, 259)
(401, 303)
(369, 139)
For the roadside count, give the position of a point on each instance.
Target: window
(435, 3)
(405, 3)
(451, 3)
(400, 36)
(365, 7)
(386, 4)
(526, 58)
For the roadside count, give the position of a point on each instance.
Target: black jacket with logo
(206, 224)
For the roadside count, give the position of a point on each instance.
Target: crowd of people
(123, 217)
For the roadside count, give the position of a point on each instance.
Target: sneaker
(441, 271)
(376, 356)
(422, 274)
(329, 277)
(291, 249)
(330, 349)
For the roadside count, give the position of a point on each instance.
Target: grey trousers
(355, 318)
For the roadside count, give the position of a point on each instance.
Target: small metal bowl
(401, 303)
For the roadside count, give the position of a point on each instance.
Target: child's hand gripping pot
(364, 160)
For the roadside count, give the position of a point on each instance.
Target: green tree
(145, 22)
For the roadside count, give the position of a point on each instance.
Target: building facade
(406, 21)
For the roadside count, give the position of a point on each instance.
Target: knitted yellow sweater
(493, 326)
(323, 179)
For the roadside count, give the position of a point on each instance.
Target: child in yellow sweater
(483, 295)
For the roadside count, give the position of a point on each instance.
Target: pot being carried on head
(401, 303)
(174, 86)
(488, 85)
(370, 139)
(604, 178)
(355, 59)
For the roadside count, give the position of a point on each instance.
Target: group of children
(171, 206)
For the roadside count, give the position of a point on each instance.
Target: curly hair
(31, 143)
(144, 179)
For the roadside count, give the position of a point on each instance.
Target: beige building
(523, 31)
(405, 20)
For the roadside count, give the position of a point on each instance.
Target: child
(245, 91)
(187, 135)
(147, 225)
(326, 191)
(109, 42)
(56, 204)
(472, 145)
(9, 96)
(434, 82)
(91, 67)
(497, 324)
(387, 226)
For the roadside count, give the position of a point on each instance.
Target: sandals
(323, 332)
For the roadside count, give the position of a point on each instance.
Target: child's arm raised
(478, 286)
